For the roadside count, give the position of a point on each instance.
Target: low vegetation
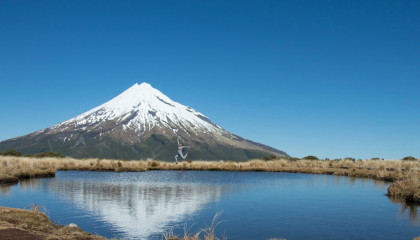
(25, 167)
(11, 152)
(16, 153)
(208, 233)
(310, 157)
(14, 168)
(34, 224)
(409, 158)
(407, 188)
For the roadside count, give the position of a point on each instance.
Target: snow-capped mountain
(140, 123)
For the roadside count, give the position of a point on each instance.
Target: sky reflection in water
(254, 205)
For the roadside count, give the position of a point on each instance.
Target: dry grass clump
(35, 224)
(209, 233)
(407, 188)
(386, 170)
(13, 168)
(99, 165)
(7, 179)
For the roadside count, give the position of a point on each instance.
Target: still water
(254, 205)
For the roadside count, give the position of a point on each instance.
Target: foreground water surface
(254, 205)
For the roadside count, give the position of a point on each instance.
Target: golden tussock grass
(407, 188)
(14, 168)
(34, 224)
(21, 167)
(208, 233)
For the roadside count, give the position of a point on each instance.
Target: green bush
(49, 154)
(12, 152)
(310, 157)
(350, 159)
(409, 158)
(269, 157)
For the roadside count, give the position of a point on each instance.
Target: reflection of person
(180, 148)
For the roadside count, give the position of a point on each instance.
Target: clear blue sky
(327, 78)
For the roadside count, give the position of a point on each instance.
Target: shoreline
(15, 169)
(34, 224)
(404, 175)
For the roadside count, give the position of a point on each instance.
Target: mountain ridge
(139, 123)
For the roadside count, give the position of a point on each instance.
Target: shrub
(310, 157)
(269, 157)
(409, 158)
(292, 158)
(375, 159)
(49, 154)
(350, 159)
(12, 152)
(407, 189)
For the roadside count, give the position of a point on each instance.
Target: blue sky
(327, 78)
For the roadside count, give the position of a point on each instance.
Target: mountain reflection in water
(138, 209)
